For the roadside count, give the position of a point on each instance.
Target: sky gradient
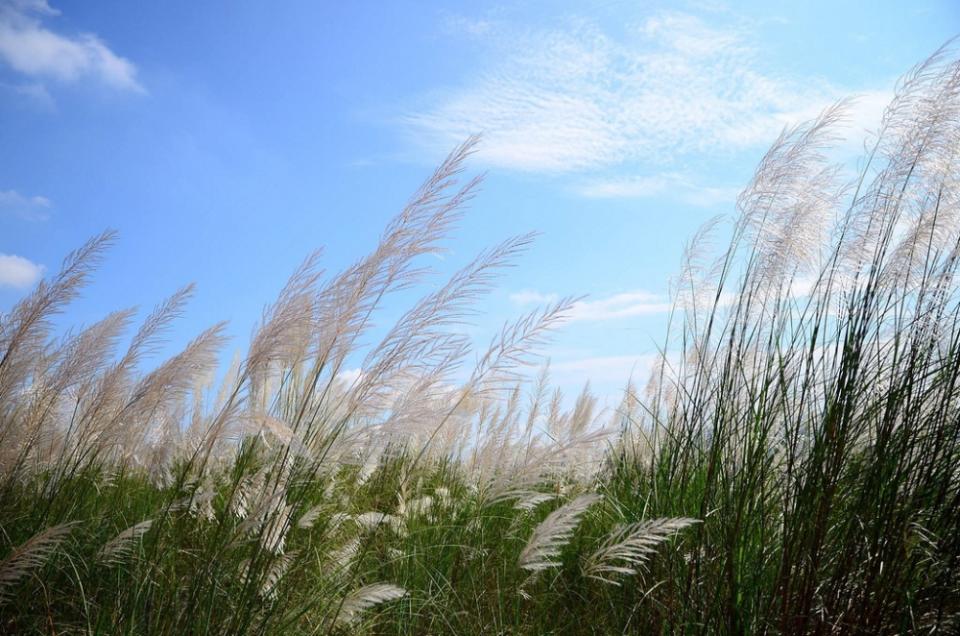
(226, 141)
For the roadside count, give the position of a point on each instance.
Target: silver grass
(364, 598)
(278, 569)
(287, 325)
(84, 355)
(199, 503)
(346, 304)
(121, 546)
(502, 475)
(308, 518)
(514, 346)
(786, 210)
(533, 500)
(415, 507)
(344, 556)
(30, 556)
(112, 386)
(553, 533)
(24, 332)
(417, 339)
(176, 377)
(338, 518)
(583, 413)
(918, 131)
(537, 399)
(694, 287)
(268, 515)
(274, 534)
(627, 548)
(370, 521)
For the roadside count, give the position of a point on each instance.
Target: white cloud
(35, 208)
(623, 305)
(533, 297)
(668, 184)
(31, 49)
(349, 376)
(459, 25)
(604, 369)
(18, 272)
(578, 99)
(34, 92)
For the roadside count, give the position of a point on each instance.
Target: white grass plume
(111, 387)
(554, 533)
(362, 599)
(120, 547)
(346, 304)
(25, 329)
(341, 559)
(268, 589)
(514, 347)
(533, 500)
(29, 556)
(628, 547)
(287, 324)
(370, 521)
(308, 518)
(274, 535)
(418, 340)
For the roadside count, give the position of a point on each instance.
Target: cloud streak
(35, 208)
(614, 370)
(623, 305)
(577, 99)
(33, 50)
(669, 184)
(18, 272)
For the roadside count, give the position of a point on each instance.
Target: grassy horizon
(790, 466)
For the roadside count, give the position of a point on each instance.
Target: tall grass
(790, 467)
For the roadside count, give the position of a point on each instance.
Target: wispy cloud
(580, 99)
(458, 25)
(31, 49)
(18, 272)
(32, 92)
(604, 369)
(623, 305)
(670, 184)
(533, 297)
(35, 208)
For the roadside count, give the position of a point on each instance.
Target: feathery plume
(362, 599)
(279, 567)
(628, 547)
(553, 533)
(308, 518)
(29, 556)
(23, 333)
(119, 548)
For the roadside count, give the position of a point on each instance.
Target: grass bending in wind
(791, 465)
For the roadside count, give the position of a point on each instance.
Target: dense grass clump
(790, 467)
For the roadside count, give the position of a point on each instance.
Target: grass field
(791, 466)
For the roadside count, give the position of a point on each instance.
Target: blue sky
(226, 140)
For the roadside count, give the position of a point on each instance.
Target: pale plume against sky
(226, 141)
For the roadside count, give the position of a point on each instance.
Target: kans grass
(791, 465)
